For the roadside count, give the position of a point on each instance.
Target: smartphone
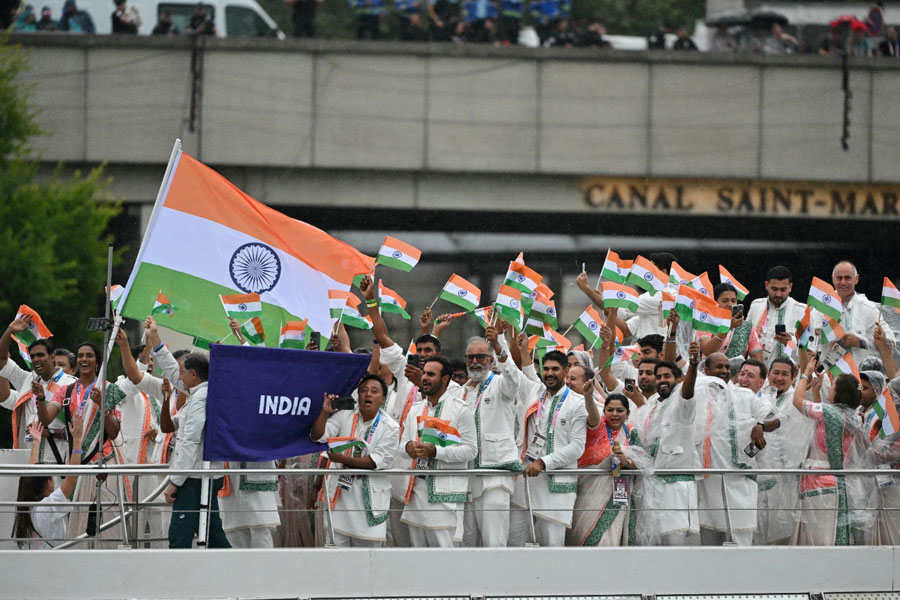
(737, 310)
(751, 450)
(343, 403)
(412, 359)
(820, 368)
(780, 328)
(629, 385)
(315, 339)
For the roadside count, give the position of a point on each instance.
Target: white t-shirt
(50, 521)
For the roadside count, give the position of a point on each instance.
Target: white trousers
(397, 530)
(547, 533)
(430, 538)
(487, 520)
(250, 537)
(345, 541)
(711, 537)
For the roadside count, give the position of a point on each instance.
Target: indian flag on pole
(253, 331)
(679, 275)
(115, 296)
(438, 432)
(460, 292)
(162, 306)
(708, 317)
(726, 277)
(823, 298)
(887, 411)
(544, 309)
(803, 332)
(352, 318)
(621, 354)
(832, 330)
(589, 324)
(398, 255)
(536, 327)
(685, 301)
(342, 444)
(242, 306)
(390, 301)
(23, 351)
(614, 268)
(702, 284)
(616, 295)
(482, 315)
(246, 246)
(550, 338)
(789, 348)
(646, 276)
(509, 306)
(890, 295)
(293, 335)
(522, 278)
(845, 366)
(668, 303)
(340, 301)
(36, 329)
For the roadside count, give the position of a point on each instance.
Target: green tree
(53, 230)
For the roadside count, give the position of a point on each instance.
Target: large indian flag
(207, 238)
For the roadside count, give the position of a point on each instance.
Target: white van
(233, 18)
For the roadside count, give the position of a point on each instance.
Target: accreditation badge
(536, 447)
(620, 491)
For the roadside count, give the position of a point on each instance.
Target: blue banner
(263, 402)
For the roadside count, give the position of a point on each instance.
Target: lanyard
(559, 405)
(609, 434)
(481, 390)
(371, 431)
(87, 394)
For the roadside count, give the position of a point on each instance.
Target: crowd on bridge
(682, 376)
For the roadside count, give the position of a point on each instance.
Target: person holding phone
(741, 340)
(776, 309)
(361, 436)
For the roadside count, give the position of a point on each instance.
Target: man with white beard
(492, 399)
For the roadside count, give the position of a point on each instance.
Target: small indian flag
(398, 255)
(522, 278)
(342, 444)
(589, 324)
(509, 306)
(253, 331)
(482, 315)
(622, 353)
(726, 277)
(460, 292)
(646, 276)
(823, 298)
(536, 327)
(543, 288)
(544, 309)
(890, 295)
(702, 284)
(832, 330)
(36, 329)
(437, 431)
(619, 296)
(679, 275)
(550, 338)
(614, 268)
(115, 296)
(23, 351)
(241, 306)
(789, 348)
(293, 335)
(352, 318)
(887, 411)
(200, 343)
(339, 301)
(710, 318)
(390, 301)
(162, 306)
(668, 303)
(685, 301)
(845, 366)
(803, 332)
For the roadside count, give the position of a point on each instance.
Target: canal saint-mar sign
(741, 198)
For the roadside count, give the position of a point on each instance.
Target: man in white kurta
(433, 502)
(859, 314)
(249, 506)
(777, 308)
(555, 426)
(360, 504)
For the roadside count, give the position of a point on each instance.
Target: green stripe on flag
(393, 263)
(823, 308)
(593, 336)
(620, 303)
(457, 300)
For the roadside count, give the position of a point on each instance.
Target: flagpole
(569, 329)
(601, 270)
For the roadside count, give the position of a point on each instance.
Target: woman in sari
(741, 340)
(833, 507)
(603, 513)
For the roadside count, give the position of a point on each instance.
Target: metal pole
(534, 542)
(101, 410)
(121, 490)
(330, 517)
(729, 534)
(205, 487)
(136, 522)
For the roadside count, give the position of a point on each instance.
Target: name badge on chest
(536, 447)
(345, 482)
(620, 491)
(422, 464)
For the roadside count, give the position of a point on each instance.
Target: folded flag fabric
(589, 324)
(544, 309)
(803, 332)
(438, 432)
(398, 255)
(726, 277)
(646, 276)
(242, 306)
(614, 268)
(668, 303)
(845, 366)
(824, 298)
(887, 411)
(352, 318)
(549, 337)
(253, 331)
(522, 278)
(711, 318)
(23, 351)
(115, 296)
(390, 301)
(509, 306)
(679, 275)
(536, 327)
(342, 444)
(294, 335)
(460, 292)
(341, 301)
(890, 295)
(616, 295)
(36, 329)
(483, 315)
(832, 330)
(788, 349)
(162, 306)
(621, 354)
(685, 301)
